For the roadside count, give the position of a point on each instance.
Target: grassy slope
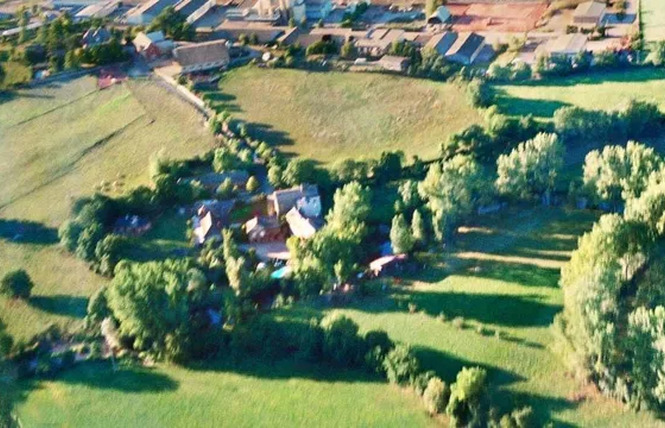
(594, 91)
(653, 16)
(64, 139)
(504, 275)
(331, 116)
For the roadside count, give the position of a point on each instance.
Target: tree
(151, 303)
(16, 284)
(649, 208)
(418, 229)
(69, 233)
(173, 24)
(657, 54)
(401, 238)
(275, 176)
(466, 397)
(252, 184)
(225, 160)
(351, 206)
(452, 189)
(619, 173)
(71, 60)
(436, 396)
(98, 308)
(341, 343)
(400, 365)
(299, 171)
(348, 50)
(531, 168)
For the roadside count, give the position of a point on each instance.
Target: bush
(401, 365)
(436, 396)
(467, 396)
(16, 284)
(341, 344)
(458, 322)
(420, 382)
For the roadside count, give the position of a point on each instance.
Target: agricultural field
(67, 140)
(332, 116)
(653, 20)
(502, 276)
(593, 91)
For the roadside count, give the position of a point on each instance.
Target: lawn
(502, 275)
(593, 91)
(332, 116)
(653, 20)
(63, 140)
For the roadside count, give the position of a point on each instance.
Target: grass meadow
(502, 275)
(591, 91)
(59, 142)
(331, 116)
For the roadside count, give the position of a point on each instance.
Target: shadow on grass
(28, 232)
(101, 375)
(499, 309)
(522, 106)
(60, 304)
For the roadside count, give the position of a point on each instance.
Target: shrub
(413, 308)
(467, 396)
(16, 284)
(436, 396)
(341, 344)
(401, 365)
(458, 322)
(252, 184)
(420, 382)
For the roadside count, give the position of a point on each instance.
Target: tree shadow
(61, 304)
(498, 309)
(525, 274)
(522, 107)
(28, 232)
(102, 375)
(269, 134)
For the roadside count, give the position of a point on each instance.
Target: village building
(440, 16)
(95, 37)
(144, 13)
(590, 13)
(233, 30)
(387, 265)
(152, 45)
(301, 226)
(304, 197)
(565, 46)
(393, 63)
(378, 41)
(462, 48)
(202, 56)
(261, 229)
(194, 9)
(97, 10)
(209, 219)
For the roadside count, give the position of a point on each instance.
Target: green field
(653, 19)
(503, 275)
(62, 141)
(593, 91)
(332, 116)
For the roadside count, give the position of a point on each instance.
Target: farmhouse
(304, 197)
(589, 13)
(565, 46)
(144, 13)
(378, 41)
(209, 220)
(152, 45)
(202, 56)
(440, 16)
(441, 42)
(301, 226)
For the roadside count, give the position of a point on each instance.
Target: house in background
(304, 197)
(393, 63)
(144, 13)
(378, 41)
(462, 48)
(204, 56)
(440, 16)
(152, 45)
(97, 10)
(95, 37)
(565, 46)
(590, 13)
(466, 48)
(209, 219)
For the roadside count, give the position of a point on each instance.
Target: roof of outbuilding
(589, 9)
(201, 53)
